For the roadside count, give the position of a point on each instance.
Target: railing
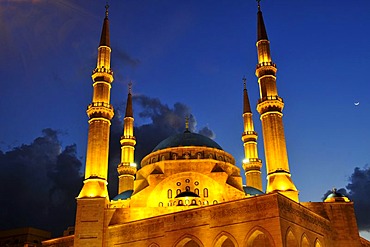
(265, 64)
(272, 97)
(102, 70)
(100, 104)
(250, 133)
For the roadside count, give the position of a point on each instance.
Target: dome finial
(106, 9)
(187, 124)
(244, 82)
(258, 5)
(130, 87)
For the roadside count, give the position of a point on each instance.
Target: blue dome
(123, 196)
(187, 139)
(252, 191)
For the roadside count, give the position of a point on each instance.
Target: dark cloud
(125, 58)
(207, 132)
(358, 191)
(39, 184)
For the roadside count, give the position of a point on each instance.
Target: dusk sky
(196, 52)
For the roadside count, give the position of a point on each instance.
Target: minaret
(270, 107)
(100, 112)
(93, 198)
(251, 163)
(127, 168)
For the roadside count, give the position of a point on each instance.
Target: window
(205, 192)
(196, 191)
(169, 193)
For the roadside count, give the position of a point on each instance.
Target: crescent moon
(357, 103)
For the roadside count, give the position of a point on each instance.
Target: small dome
(186, 139)
(336, 196)
(251, 191)
(124, 195)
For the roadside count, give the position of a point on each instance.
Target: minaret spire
(251, 163)
(261, 29)
(127, 168)
(105, 37)
(270, 107)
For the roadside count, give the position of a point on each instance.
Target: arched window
(214, 202)
(160, 204)
(187, 188)
(205, 192)
(225, 240)
(174, 156)
(188, 241)
(178, 191)
(196, 191)
(317, 243)
(169, 193)
(304, 241)
(290, 239)
(259, 237)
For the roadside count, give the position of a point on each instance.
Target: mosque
(189, 191)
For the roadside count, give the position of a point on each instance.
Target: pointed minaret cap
(261, 29)
(246, 104)
(129, 102)
(104, 39)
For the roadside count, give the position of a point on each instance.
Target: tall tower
(251, 163)
(127, 168)
(93, 198)
(270, 107)
(100, 112)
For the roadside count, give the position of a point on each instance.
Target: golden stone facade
(189, 192)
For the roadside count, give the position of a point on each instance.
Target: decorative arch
(318, 243)
(225, 239)
(290, 239)
(188, 241)
(259, 237)
(153, 245)
(304, 241)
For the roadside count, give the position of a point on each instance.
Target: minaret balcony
(254, 133)
(270, 103)
(103, 70)
(266, 64)
(100, 109)
(126, 169)
(271, 97)
(128, 141)
(252, 164)
(102, 74)
(249, 136)
(266, 68)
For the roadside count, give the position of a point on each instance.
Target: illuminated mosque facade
(189, 191)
